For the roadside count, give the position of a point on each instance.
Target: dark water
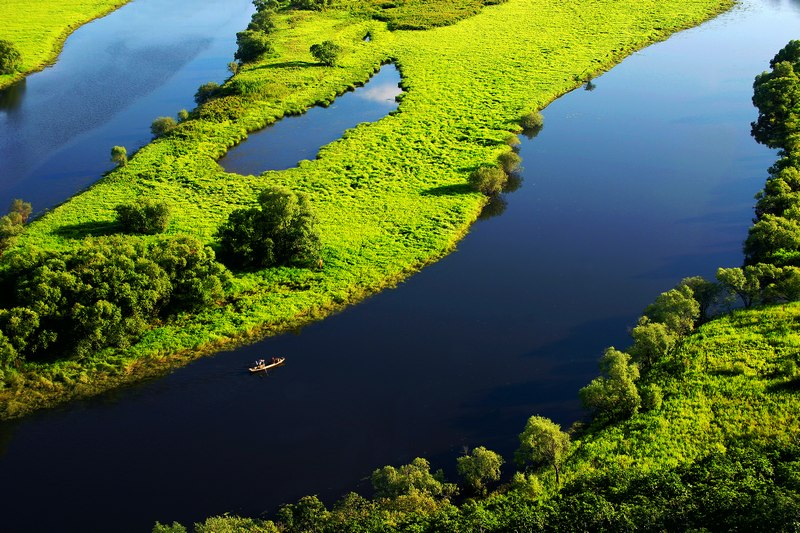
(629, 188)
(293, 139)
(112, 79)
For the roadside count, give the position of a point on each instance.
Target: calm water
(293, 139)
(112, 79)
(629, 188)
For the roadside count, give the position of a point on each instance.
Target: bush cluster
(144, 216)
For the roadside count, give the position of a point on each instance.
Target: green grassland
(391, 196)
(39, 28)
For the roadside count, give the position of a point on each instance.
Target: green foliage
(509, 161)
(776, 94)
(10, 58)
(162, 125)
(415, 477)
(233, 68)
(281, 230)
(262, 21)
(305, 515)
(488, 180)
(175, 527)
(542, 443)
(613, 396)
(652, 342)
(479, 468)
(119, 155)
(252, 46)
(742, 282)
(12, 223)
(183, 115)
(206, 92)
(677, 309)
(145, 216)
(326, 52)
(531, 121)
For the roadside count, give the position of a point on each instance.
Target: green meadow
(390, 196)
(38, 28)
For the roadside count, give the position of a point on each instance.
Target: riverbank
(391, 196)
(39, 29)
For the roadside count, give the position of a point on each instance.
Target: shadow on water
(11, 97)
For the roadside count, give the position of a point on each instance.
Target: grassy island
(38, 29)
(390, 197)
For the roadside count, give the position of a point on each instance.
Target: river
(646, 179)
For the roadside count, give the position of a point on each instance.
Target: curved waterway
(112, 79)
(630, 187)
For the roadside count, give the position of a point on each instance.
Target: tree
(509, 161)
(143, 216)
(206, 92)
(531, 121)
(488, 180)
(183, 115)
(162, 126)
(119, 155)
(478, 468)
(10, 58)
(326, 52)
(776, 94)
(742, 282)
(676, 308)
(252, 45)
(12, 224)
(281, 230)
(233, 67)
(262, 21)
(769, 235)
(706, 293)
(613, 396)
(651, 341)
(542, 443)
(391, 482)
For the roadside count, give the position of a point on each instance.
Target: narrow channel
(630, 187)
(292, 139)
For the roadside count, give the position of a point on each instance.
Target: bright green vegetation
(694, 426)
(389, 197)
(38, 28)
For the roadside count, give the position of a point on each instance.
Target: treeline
(743, 484)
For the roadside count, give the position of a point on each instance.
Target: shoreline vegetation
(693, 427)
(39, 29)
(390, 197)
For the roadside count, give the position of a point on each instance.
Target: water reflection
(11, 97)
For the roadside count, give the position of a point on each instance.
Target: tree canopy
(10, 57)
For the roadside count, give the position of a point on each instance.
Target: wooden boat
(278, 361)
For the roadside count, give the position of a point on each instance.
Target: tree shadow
(785, 386)
(85, 229)
(448, 190)
(289, 64)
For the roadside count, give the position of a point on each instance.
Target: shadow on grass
(289, 64)
(85, 229)
(448, 190)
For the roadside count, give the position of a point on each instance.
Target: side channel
(292, 139)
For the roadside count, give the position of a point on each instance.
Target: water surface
(645, 180)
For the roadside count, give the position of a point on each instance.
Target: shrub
(12, 224)
(183, 115)
(10, 58)
(281, 230)
(509, 161)
(252, 45)
(145, 216)
(119, 155)
(326, 52)
(206, 92)
(488, 180)
(233, 67)
(531, 121)
(162, 126)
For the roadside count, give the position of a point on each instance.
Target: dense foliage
(13, 223)
(281, 230)
(326, 52)
(10, 58)
(144, 216)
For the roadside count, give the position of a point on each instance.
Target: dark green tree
(262, 21)
(252, 45)
(391, 482)
(776, 94)
(676, 308)
(143, 216)
(281, 230)
(10, 58)
(206, 92)
(326, 52)
(488, 180)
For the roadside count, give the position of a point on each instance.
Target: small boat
(263, 367)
